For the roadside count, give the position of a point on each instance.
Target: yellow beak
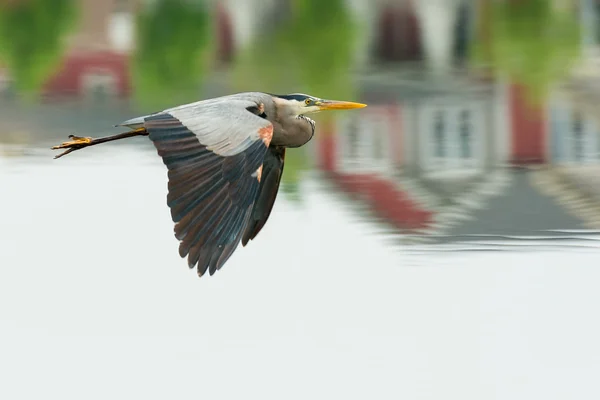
(339, 105)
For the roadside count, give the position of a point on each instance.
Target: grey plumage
(225, 159)
(227, 115)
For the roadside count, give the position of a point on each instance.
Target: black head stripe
(296, 96)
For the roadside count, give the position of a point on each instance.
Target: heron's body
(288, 129)
(225, 159)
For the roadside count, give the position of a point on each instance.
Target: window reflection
(465, 134)
(440, 134)
(352, 140)
(578, 137)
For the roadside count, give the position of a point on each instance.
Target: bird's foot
(75, 143)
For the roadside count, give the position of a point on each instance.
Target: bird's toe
(74, 142)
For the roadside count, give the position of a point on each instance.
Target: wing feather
(269, 187)
(212, 153)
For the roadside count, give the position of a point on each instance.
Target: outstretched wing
(269, 187)
(213, 153)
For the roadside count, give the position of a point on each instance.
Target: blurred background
(440, 243)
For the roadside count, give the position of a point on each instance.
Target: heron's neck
(291, 131)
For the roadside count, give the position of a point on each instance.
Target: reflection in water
(534, 42)
(451, 149)
(455, 172)
(439, 129)
(310, 45)
(297, 164)
(32, 41)
(465, 134)
(172, 52)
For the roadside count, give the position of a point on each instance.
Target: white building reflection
(447, 155)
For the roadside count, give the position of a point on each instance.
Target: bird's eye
(307, 101)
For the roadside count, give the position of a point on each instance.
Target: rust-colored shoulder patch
(266, 134)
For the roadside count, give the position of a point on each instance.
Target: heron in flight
(225, 159)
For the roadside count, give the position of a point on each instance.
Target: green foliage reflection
(311, 52)
(532, 42)
(32, 40)
(173, 48)
(324, 38)
(296, 164)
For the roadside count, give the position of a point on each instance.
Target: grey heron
(224, 158)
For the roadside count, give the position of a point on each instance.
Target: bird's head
(300, 104)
